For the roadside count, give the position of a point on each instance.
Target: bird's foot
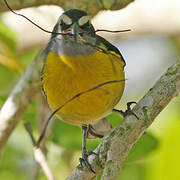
(84, 160)
(128, 111)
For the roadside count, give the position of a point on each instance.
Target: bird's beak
(75, 30)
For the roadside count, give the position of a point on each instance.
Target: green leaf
(145, 145)
(114, 119)
(133, 172)
(8, 80)
(66, 135)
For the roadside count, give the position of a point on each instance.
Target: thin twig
(43, 112)
(111, 31)
(38, 155)
(30, 132)
(40, 158)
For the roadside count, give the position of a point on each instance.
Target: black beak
(75, 30)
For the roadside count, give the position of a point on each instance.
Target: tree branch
(92, 6)
(19, 99)
(115, 147)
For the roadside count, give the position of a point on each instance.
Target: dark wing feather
(109, 46)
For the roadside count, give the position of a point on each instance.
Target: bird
(82, 76)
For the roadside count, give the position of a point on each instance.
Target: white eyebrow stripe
(66, 19)
(83, 20)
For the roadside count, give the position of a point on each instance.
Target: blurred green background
(154, 157)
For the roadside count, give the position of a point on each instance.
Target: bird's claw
(128, 111)
(84, 160)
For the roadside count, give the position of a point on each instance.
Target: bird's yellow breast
(64, 77)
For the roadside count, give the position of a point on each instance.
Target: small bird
(82, 76)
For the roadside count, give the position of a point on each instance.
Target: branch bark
(92, 7)
(115, 147)
(19, 99)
